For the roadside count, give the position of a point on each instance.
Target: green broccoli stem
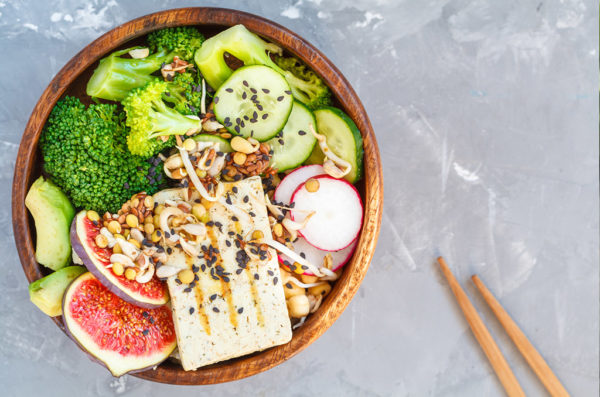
(116, 76)
(167, 121)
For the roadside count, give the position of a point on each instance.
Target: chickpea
(298, 306)
(118, 268)
(278, 229)
(93, 216)
(308, 279)
(132, 220)
(101, 241)
(290, 289)
(130, 273)
(312, 185)
(186, 276)
(114, 227)
(322, 289)
(198, 211)
(149, 228)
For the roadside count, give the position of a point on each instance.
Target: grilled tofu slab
(236, 305)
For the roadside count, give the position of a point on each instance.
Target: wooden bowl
(72, 79)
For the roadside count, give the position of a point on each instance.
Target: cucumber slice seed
(343, 138)
(292, 146)
(224, 145)
(254, 101)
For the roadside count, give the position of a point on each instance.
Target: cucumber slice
(297, 140)
(254, 101)
(343, 138)
(224, 145)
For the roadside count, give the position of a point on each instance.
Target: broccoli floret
(306, 86)
(85, 153)
(182, 40)
(185, 93)
(239, 42)
(149, 118)
(116, 76)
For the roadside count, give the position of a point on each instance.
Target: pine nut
(132, 220)
(114, 227)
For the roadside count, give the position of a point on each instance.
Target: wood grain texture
(532, 356)
(72, 78)
(483, 336)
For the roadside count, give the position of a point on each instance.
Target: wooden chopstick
(491, 350)
(533, 357)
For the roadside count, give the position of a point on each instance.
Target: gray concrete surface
(486, 114)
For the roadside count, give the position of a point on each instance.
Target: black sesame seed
(188, 289)
(270, 272)
(256, 276)
(240, 310)
(259, 107)
(226, 279)
(303, 255)
(275, 281)
(246, 198)
(239, 271)
(216, 309)
(237, 177)
(145, 314)
(281, 141)
(264, 116)
(145, 332)
(252, 214)
(192, 310)
(237, 129)
(253, 97)
(288, 285)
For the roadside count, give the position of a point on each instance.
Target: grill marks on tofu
(238, 307)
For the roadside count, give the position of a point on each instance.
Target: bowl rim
(347, 285)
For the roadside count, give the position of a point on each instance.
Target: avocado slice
(52, 212)
(47, 293)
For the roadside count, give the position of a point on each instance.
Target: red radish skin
(316, 256)
(337, 221)
(289, 184)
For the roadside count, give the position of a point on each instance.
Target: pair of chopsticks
(491, 350)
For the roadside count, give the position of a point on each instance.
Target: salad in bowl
(200, 208)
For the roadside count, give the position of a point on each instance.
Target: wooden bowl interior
(28, 168)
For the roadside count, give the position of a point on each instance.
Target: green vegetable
(85, 153)
(183, 41)
(47, 293)
(52, 212)
(116, 76)
(343, 139)
(238, 41)
(307, 87)
(184, 92)
(149, 118)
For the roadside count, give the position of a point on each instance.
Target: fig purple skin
(92, 266)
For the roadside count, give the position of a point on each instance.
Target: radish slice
(338, 213)
(287, 186)
(316, 256)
